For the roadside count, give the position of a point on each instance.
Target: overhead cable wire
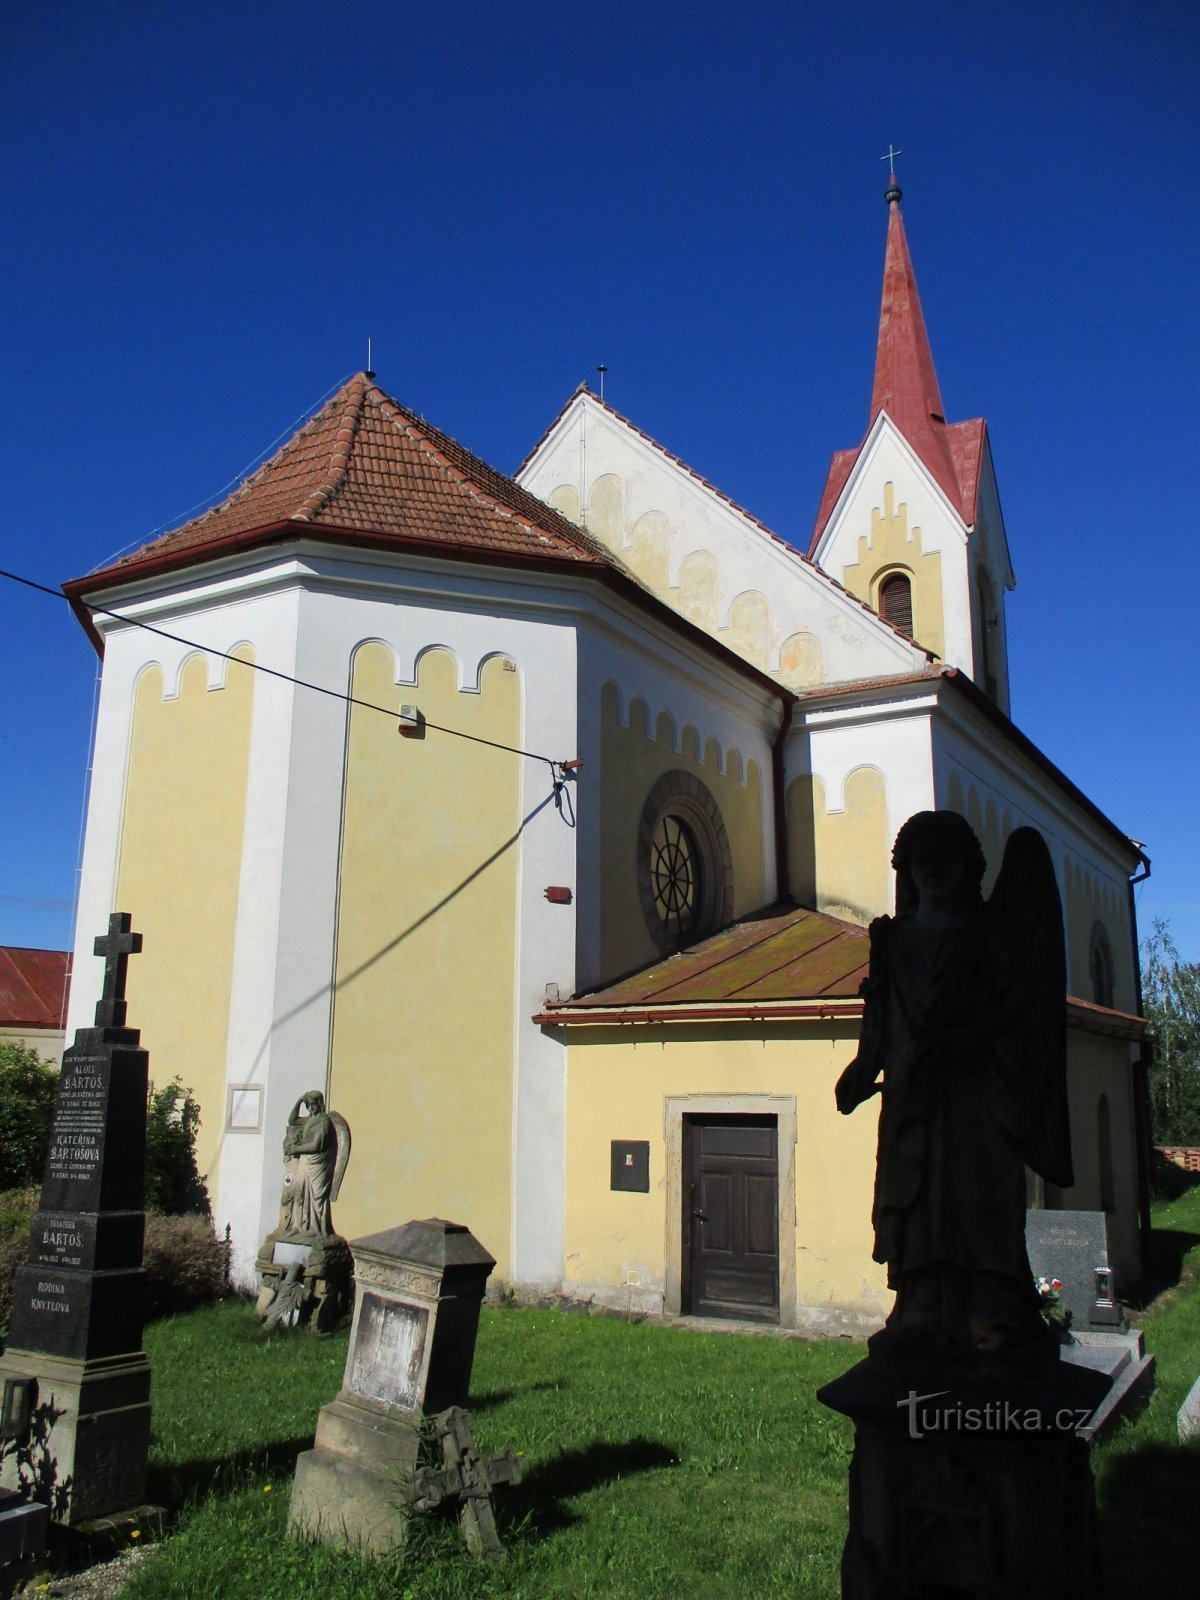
(557, 768)
(238, 478)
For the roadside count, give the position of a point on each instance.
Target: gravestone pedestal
(418, 1290)
(979, 1489)
(76, 1382)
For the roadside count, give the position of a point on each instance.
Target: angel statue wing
(342, 1128)
(1026, 895)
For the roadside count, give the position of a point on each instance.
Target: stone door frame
(783, 1109)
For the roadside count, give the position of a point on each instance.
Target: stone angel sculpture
(316, 1149)
(304, 1265)
(965, 1024)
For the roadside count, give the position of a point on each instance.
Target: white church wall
(221, 616)
(998, 788)
(700, 713)
(989, 549)
(706, 558)
(856, 768)
(303, 612)
(889, 490)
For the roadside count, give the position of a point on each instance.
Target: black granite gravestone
(1072, 1246)
(76, 1325)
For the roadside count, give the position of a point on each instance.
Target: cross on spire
(116, 946)
(890, 157)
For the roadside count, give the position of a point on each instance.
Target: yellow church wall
(801, 661)
(605, 511)
(423, 1010)
(633, 758)
(645, 547)
(178, 875)
(748, 631)
(893, 547)
(695, 595)
(619, 1244)
(565, 499)
(648, 551)
(839, 859)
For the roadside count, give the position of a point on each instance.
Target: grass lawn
(659, 1462)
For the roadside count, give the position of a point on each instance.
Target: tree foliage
(1171, 1001)
(28, 1085)
(173, 1183)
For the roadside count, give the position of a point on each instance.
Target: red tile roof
(779, 954)
(33, 987)
(367, 464)
(906, 387)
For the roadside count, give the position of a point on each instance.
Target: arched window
(685, 868)
(1100, 965)
(895, 602)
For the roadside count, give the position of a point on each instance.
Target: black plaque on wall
(631, 1165)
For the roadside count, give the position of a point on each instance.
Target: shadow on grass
(1148, 1518)
(1165, 1254)
(173, 1486)
(535, 1508)
(1168, 1181)
(489, 1399)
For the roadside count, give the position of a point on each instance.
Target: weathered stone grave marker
(418, 1290)
(76, 1381)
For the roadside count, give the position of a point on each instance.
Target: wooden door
(731, 1217)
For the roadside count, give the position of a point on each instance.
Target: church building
(538, 821)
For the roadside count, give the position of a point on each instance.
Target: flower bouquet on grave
(1053, 1311)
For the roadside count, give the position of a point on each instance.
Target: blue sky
(210, 208)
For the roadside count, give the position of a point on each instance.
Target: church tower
(910, 520)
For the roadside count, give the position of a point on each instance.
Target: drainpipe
(1140, 1075)
(782, 867)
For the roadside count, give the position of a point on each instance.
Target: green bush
(27, 1089)
(16, 1212)
(185, 1264)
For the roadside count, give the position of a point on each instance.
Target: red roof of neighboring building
(366, 464)
(33, 987)
(906, 387)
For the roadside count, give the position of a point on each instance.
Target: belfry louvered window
(895, 602)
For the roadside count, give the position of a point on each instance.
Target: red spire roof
(906, 387)
(367, 469)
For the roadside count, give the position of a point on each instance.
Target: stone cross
(116, 946)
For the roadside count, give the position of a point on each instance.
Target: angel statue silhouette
(965, 1020)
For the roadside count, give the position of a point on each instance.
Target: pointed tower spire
(906, 385)
(906, 388)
